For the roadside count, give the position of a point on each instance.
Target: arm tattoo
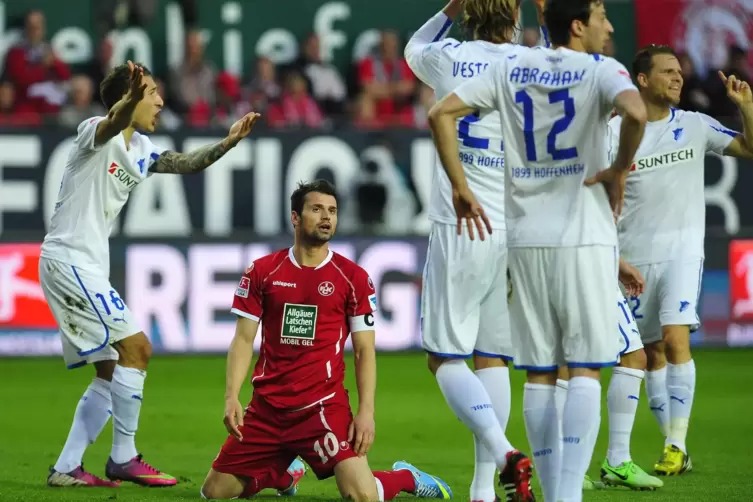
(189, 163)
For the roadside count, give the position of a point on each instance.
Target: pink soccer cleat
(77, 477)
(139, 472)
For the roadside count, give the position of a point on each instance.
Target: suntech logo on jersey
(122, 175)
(664, 159)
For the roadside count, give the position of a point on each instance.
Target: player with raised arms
(464, 289)
(308, 300)
(561, 232)
(108, 159)
(663, 236)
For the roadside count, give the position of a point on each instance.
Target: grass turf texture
(181, 429)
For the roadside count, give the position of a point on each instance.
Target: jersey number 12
(560, 126)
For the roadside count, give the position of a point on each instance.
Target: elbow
(435, 115)
(637, 114)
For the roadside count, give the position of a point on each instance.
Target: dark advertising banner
(181, 292)
(248, 190)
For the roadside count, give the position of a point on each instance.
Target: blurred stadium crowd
(379, 91)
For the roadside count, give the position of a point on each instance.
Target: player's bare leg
(622, 404)
(468, 398)
(656, 384)
(92, 414)
(125, 463)
(220, 485)
(495, 376)
(680, 389)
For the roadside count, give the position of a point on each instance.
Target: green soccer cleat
(589, 484)
(630, 475)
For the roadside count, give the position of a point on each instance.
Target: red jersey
(306, 316)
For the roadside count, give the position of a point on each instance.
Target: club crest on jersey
(326, 288)
(665, 159)
(243, 287)
(122, 175)
(371, 284)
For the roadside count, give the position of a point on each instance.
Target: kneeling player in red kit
(308, 300)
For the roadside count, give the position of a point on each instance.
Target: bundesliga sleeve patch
(243, 286)
(373, 302)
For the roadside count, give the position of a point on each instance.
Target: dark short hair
(644, 58)
(560, 14)
(299, 195)
(115, 85)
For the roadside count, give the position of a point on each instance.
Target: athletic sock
(543, 431)
(622, 404)
(394, 482)
(681, 390)
(658, 398)
(127, 395)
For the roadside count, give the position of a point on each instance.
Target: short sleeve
(481, 92)
(152, 153)
(247, 301)
(87, 130)
(718, 137)
(612, 78)
(362, 302)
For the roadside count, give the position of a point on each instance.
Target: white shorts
(630, 336)
(464, 295)
(89, 312)
(670, 297)
(562, 309)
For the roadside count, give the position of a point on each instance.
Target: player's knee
(359, 493)
(434, 362)
(134, 351)
(677, 342)
(635, 360)
(483, 362)
(105, 369)
(655, 356)
(217, 487)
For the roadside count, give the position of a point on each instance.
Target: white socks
(658, 398)
(543, 431)
(496, 381)
(580, 425)
(560, 396)
(622, 404)
(127, 392)
(380, 489)
(468, 399)
(92, 413)
(681, 389)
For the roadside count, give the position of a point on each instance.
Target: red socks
(394, 482)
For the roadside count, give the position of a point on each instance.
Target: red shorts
(273, 438)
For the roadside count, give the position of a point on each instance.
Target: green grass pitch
(181, 429)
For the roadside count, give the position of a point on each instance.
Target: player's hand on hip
(136, 85)
(233, 417)
(243, 127)
(470, 214)
(738, 91)
(361, 433)
(632, 279)
(614, 180)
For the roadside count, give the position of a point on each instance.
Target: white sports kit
(464, 296)
(663, 235)
(561, 234)
(74, 268)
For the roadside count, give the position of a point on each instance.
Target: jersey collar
(291, 256)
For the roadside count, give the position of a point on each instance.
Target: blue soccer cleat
(297, 469)
(427, 486)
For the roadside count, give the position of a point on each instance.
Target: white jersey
(557, 103)
(664, 214)
(95, 187)
(443, 64)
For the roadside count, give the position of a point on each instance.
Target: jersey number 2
(560, 126)
(464, 133)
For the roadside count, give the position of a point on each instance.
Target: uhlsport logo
(298, 324)
(121, 175)
(666, 159)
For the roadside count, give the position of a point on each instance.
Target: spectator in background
(34, 71)
(530, 37)
(263, 88)
(80, 106)
(386, 78)
(9, 116)
(228, 109)
(168, 119)
(693, 97)
(325, 82)
(365, 113)
(192, 84)
(296, 108)
(100, 66)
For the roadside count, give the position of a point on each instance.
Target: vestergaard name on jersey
(664, 159)
(122, 175)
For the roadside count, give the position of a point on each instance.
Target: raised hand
(738, 91)
(136, 85)
(242, 128)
